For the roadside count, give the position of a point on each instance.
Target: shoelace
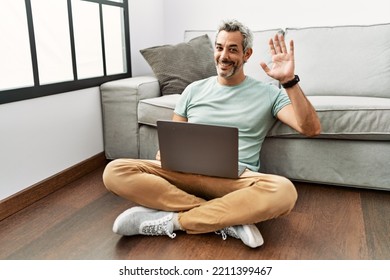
(227, 231)
(158, 228)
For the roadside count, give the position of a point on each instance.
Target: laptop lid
(198, 148)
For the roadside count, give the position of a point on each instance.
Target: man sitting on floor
(196, 204)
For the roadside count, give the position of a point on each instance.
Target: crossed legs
(205, 204)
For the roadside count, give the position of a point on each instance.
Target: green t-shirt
(250, 106)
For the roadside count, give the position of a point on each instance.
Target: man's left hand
(283, 65)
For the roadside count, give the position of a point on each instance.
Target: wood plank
(376, 209)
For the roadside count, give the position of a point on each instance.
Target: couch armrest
(120, 120)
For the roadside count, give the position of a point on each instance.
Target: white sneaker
(146, 221)
(249, 234)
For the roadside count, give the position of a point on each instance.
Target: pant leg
(145, 182)
(206, 203)
(258, 197)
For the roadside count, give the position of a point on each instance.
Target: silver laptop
(199, 149)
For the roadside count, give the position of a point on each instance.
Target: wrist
(291, 82)
(286, 79)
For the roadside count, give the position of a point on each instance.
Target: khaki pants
(205, 204)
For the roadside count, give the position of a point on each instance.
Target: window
(50, 47)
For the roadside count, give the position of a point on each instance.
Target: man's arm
(178, 118)
(300, 114)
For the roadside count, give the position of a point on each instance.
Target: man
(173, 201)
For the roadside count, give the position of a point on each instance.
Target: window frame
(37, 90)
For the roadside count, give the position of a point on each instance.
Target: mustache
(226, 61)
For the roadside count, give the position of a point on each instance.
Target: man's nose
(224, 54)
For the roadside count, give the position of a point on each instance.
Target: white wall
(43, 136)
(146, 30)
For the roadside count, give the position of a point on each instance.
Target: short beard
(228, 74)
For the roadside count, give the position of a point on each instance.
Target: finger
(271, 46)
(265, 67)
(158, 157)
(292, 47)
(277, 44)
(282, 43)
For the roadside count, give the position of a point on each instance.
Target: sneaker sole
(130, 211)
(256, 239)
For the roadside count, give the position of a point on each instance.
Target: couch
(344, 71)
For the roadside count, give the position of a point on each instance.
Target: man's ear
(248, 54)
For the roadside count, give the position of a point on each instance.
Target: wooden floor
(75, 223)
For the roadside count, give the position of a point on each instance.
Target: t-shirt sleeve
(181, 105)
(280, 100)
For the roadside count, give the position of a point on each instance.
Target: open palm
(282, 68)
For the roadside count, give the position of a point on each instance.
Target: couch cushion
(159, 108)
(260, 51)
(347, 117)
(176, 66)
(342, 117)
(343, 60)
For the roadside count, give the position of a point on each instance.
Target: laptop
(199, 149)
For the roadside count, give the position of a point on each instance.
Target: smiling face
(229, 57)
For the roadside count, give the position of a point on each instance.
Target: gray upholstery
(120, 119)
(347, 117)
(343, 60)
(176, 66)
(350, 163)
(345, 72)
(158, 108)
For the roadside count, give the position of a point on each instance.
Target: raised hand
(282, 68)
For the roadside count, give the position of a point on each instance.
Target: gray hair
(234, 25)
